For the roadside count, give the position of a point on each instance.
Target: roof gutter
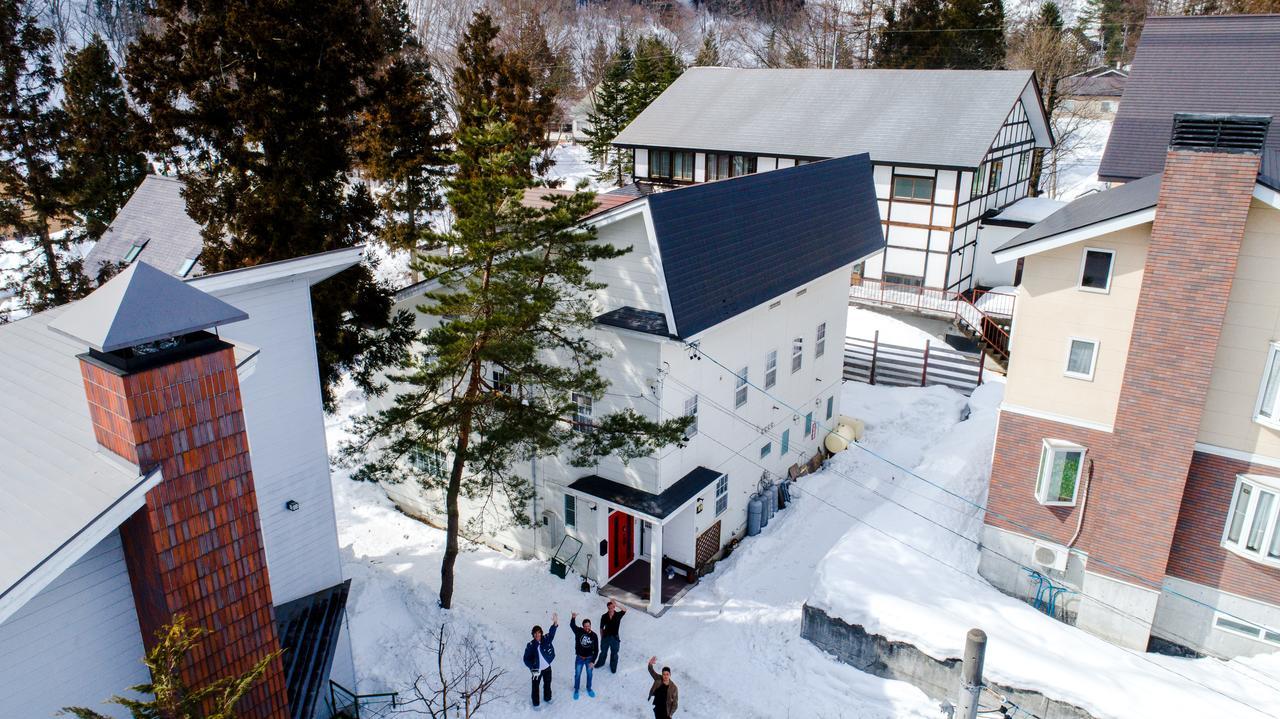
(1132, 219)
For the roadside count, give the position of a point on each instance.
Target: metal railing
(982, 312)
(347, 704)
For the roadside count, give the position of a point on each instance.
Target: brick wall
(196, 547)
(1197, 554)
(1139, 470)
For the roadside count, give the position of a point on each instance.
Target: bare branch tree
(461, 679)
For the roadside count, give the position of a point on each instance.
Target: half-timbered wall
(930, 241)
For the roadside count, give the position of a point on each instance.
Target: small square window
(913, 188)
(740, 389)
(1268, 410)
(691, 410)
(1082, 358)
(570, 510)
(1061, 464)
(766, 449)
(1095, 270)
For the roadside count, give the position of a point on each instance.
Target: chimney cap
(142, 304)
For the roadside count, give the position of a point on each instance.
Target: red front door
(621, 547)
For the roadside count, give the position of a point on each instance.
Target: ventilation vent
(1219, 133)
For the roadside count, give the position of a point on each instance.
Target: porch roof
(657, 506)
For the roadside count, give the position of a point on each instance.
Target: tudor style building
(949, 147)
(731, 307)
(1138, 455)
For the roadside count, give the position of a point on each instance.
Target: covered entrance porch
(648, 551)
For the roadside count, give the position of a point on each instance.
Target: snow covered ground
(573, 163)
(1078, 169)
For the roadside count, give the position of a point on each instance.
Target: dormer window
(187, 265)
(134, 251)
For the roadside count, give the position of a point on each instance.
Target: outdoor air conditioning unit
(1052, 556)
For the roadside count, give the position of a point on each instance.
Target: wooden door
(621, 544)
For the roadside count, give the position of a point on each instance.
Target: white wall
(987, 271)
(77, 642)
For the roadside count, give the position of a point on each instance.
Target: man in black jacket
(538, 655)
(609, 640)
(586, 646)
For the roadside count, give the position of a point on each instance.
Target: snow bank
(896, 586)
(864, 323)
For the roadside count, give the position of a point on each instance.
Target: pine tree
(656, 67)
(402, 142)
(975, 37)
(796, 56)
(610, 113)
(911, 37)
(513, 295)
(32, 128)
(258, 105)
(168, 696)
(489, 78)
(102, 150)
(709, 54)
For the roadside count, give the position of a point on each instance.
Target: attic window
(1219, 133)
(134, 251)
(187, 264)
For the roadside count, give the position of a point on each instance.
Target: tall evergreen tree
(709, 53)
(402, 141)
(493, 383)
(610, 113)
(974, 37)
(487, 78)
(911, 37)
(258, 105)
(656, 67)
(102, 149)
(32, 128)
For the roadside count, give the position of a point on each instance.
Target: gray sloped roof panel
(156, 214)
(1092, 209)
(1218, 64)
(932, 117)
(731, 245)
(142, 304)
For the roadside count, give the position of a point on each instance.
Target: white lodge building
(949, 148)
(753, 272)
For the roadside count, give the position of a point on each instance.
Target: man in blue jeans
(586, 647)
(610, 642)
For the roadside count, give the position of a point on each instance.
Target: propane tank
(786, 494)
(771, 499)
(755, 508)
(765, 514)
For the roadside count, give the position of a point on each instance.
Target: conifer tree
(492, 384)
(32, 128)
(709, 54)
(102, 149)
(656, 67)
(402, 141)
(911, 38)
(975, 37)
(610, 113)
(259, 107)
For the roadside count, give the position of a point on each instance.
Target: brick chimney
(163, 391)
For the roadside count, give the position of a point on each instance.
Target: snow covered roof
(1123, 206)
(946, 118)
(155, 218)
(1025, 212)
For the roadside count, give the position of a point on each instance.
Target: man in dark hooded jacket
(538, 655)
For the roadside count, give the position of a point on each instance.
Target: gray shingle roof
(731, 245)
(1090, 210)
(142, 304)
(933, 117)
(1215, 64)
(157, 215)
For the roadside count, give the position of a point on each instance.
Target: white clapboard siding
(77, 642)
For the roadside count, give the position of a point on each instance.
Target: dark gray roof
(731, 245)
(658, 506)
(157, 215)
(142, 304)
(632, 318)
(1093, 86)
(1092, 209)
(1269, 172)
(931, 117)
(308, 628)
(1219, 64)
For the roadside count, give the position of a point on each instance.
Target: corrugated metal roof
(931, 117)
(142, 304)
(1092, 209)
(155, 215)
(1228, 64)
(731, 245)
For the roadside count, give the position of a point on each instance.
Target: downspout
(1083, 502)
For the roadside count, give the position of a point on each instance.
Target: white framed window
(691, 410)
(429, 462)
(1095, 269)
(1268, 410)
(187, 265)
(771, 369)
(722, 494)
(570, 510)
(1061, 466)
(1232, 625)
(583, 405)
(820, 341)
(500, 383)
(1253, 521)
(1082, 358)
(740, 389)
(797, 354)
(134, 251)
